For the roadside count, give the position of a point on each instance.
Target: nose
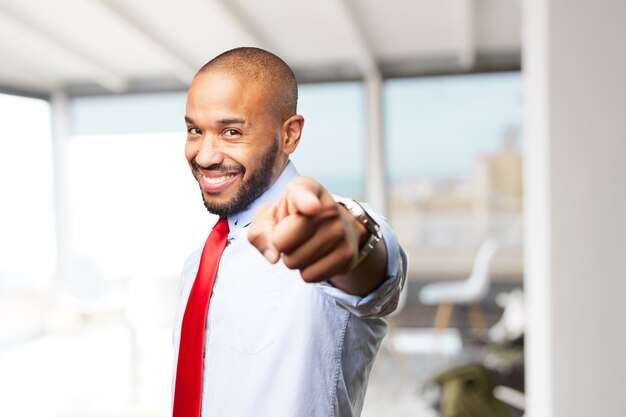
(209, 152)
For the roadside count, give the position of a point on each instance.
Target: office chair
(468, 292)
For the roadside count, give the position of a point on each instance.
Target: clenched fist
(316, 236)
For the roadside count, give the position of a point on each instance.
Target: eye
(193, 131)
(232, 133)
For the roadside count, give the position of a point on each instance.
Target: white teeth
(217, 180)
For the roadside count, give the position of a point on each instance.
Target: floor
(398, 382)
(89, 373)
(93, 368)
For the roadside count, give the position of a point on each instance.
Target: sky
(435, 125)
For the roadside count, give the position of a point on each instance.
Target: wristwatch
(359, 213)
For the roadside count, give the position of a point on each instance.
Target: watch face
(356, 210)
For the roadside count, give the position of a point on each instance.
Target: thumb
(304, 198)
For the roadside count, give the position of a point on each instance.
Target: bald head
(254, 64)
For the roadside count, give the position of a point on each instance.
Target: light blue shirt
(277, 346)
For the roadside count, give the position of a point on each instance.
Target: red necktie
(188, 391)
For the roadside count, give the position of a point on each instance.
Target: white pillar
(575, 175)
(375, 171)
(60, 136)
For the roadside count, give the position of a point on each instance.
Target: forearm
(367, 276)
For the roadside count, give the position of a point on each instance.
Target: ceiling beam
(426, 66)
(22, 75)
(98, 71)
(246, 25)
(467, 34)
(182, 67)
(17, 91)
(366, 61)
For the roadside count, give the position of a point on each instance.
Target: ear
(290, 133)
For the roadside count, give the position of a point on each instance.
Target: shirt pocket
(248, 321)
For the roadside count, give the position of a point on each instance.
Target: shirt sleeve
(384, 299)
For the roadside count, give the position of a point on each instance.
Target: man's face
(233, 145)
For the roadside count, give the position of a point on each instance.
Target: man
(297, 307)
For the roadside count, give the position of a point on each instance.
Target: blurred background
(504, 186)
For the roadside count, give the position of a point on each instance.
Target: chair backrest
(480, 279)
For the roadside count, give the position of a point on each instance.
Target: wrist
(362, 233)
(368, 231)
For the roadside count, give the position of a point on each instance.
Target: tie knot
(221, 226)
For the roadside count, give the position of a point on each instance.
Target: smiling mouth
(217, 180)
(214, 182)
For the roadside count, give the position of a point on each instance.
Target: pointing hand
(312, 232)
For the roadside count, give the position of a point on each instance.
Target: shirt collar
(273, 193)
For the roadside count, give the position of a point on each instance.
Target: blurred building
(497, 179)
(442, 221)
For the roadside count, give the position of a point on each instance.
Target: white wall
(575, 69)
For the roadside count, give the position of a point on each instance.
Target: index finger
(261, 230)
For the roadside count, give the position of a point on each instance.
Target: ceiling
(117, 46)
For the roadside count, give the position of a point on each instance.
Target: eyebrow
(230, 121)
(233, 121)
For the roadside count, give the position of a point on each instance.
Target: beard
(249, 190)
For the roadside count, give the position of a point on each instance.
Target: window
(454, 157)
(136, 207)
(26, 224)
(332, 148)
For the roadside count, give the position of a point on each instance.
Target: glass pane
(131, 113)
(455, 169)
(332, 148)
(133, 202)
(26, 223)
(27, 247)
